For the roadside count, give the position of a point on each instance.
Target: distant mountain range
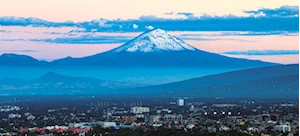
(274, 81)
(52, 83)
(155, 48)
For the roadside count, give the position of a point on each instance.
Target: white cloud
(94, 30)
(149, 27)
(103, 24)
(135, 26)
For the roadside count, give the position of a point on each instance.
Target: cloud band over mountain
(285, 18)
(86, 39)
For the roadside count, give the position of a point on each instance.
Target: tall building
(192, 108)
(180, 102)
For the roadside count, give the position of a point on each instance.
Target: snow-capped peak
(155, 40)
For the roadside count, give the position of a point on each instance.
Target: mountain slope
(277, 87)
(225, 78)
(157, 48)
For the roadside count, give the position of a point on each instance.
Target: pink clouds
(283, 59)
(229, 43)
(77, 10)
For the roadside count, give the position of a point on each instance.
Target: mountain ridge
(154, 40)
(11, 59)
(155, 48)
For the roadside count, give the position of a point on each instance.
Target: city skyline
(143, 68)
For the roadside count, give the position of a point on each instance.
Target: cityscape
(93, 115)
(149, 68)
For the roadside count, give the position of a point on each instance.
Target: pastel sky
(52, 29)
(78, 10)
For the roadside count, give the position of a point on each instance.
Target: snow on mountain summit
(155, 40)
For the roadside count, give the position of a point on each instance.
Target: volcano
(157, 48)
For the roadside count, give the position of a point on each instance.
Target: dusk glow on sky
(53, 29)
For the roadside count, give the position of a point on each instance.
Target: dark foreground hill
(277, 87)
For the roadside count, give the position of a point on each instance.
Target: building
(139, 115)
(192, 108)
(76, 125)
(224, 128)
(282, 128)
(155, 118)
(104, 124)
(14, 116)
(127, 126)
(172, 117)
(30, 117)
(147, 117)
(190, 126)
(180, 102)
(137, 110)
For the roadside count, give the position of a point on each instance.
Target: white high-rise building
(137, 110)
(180, 102)
(192, 108)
